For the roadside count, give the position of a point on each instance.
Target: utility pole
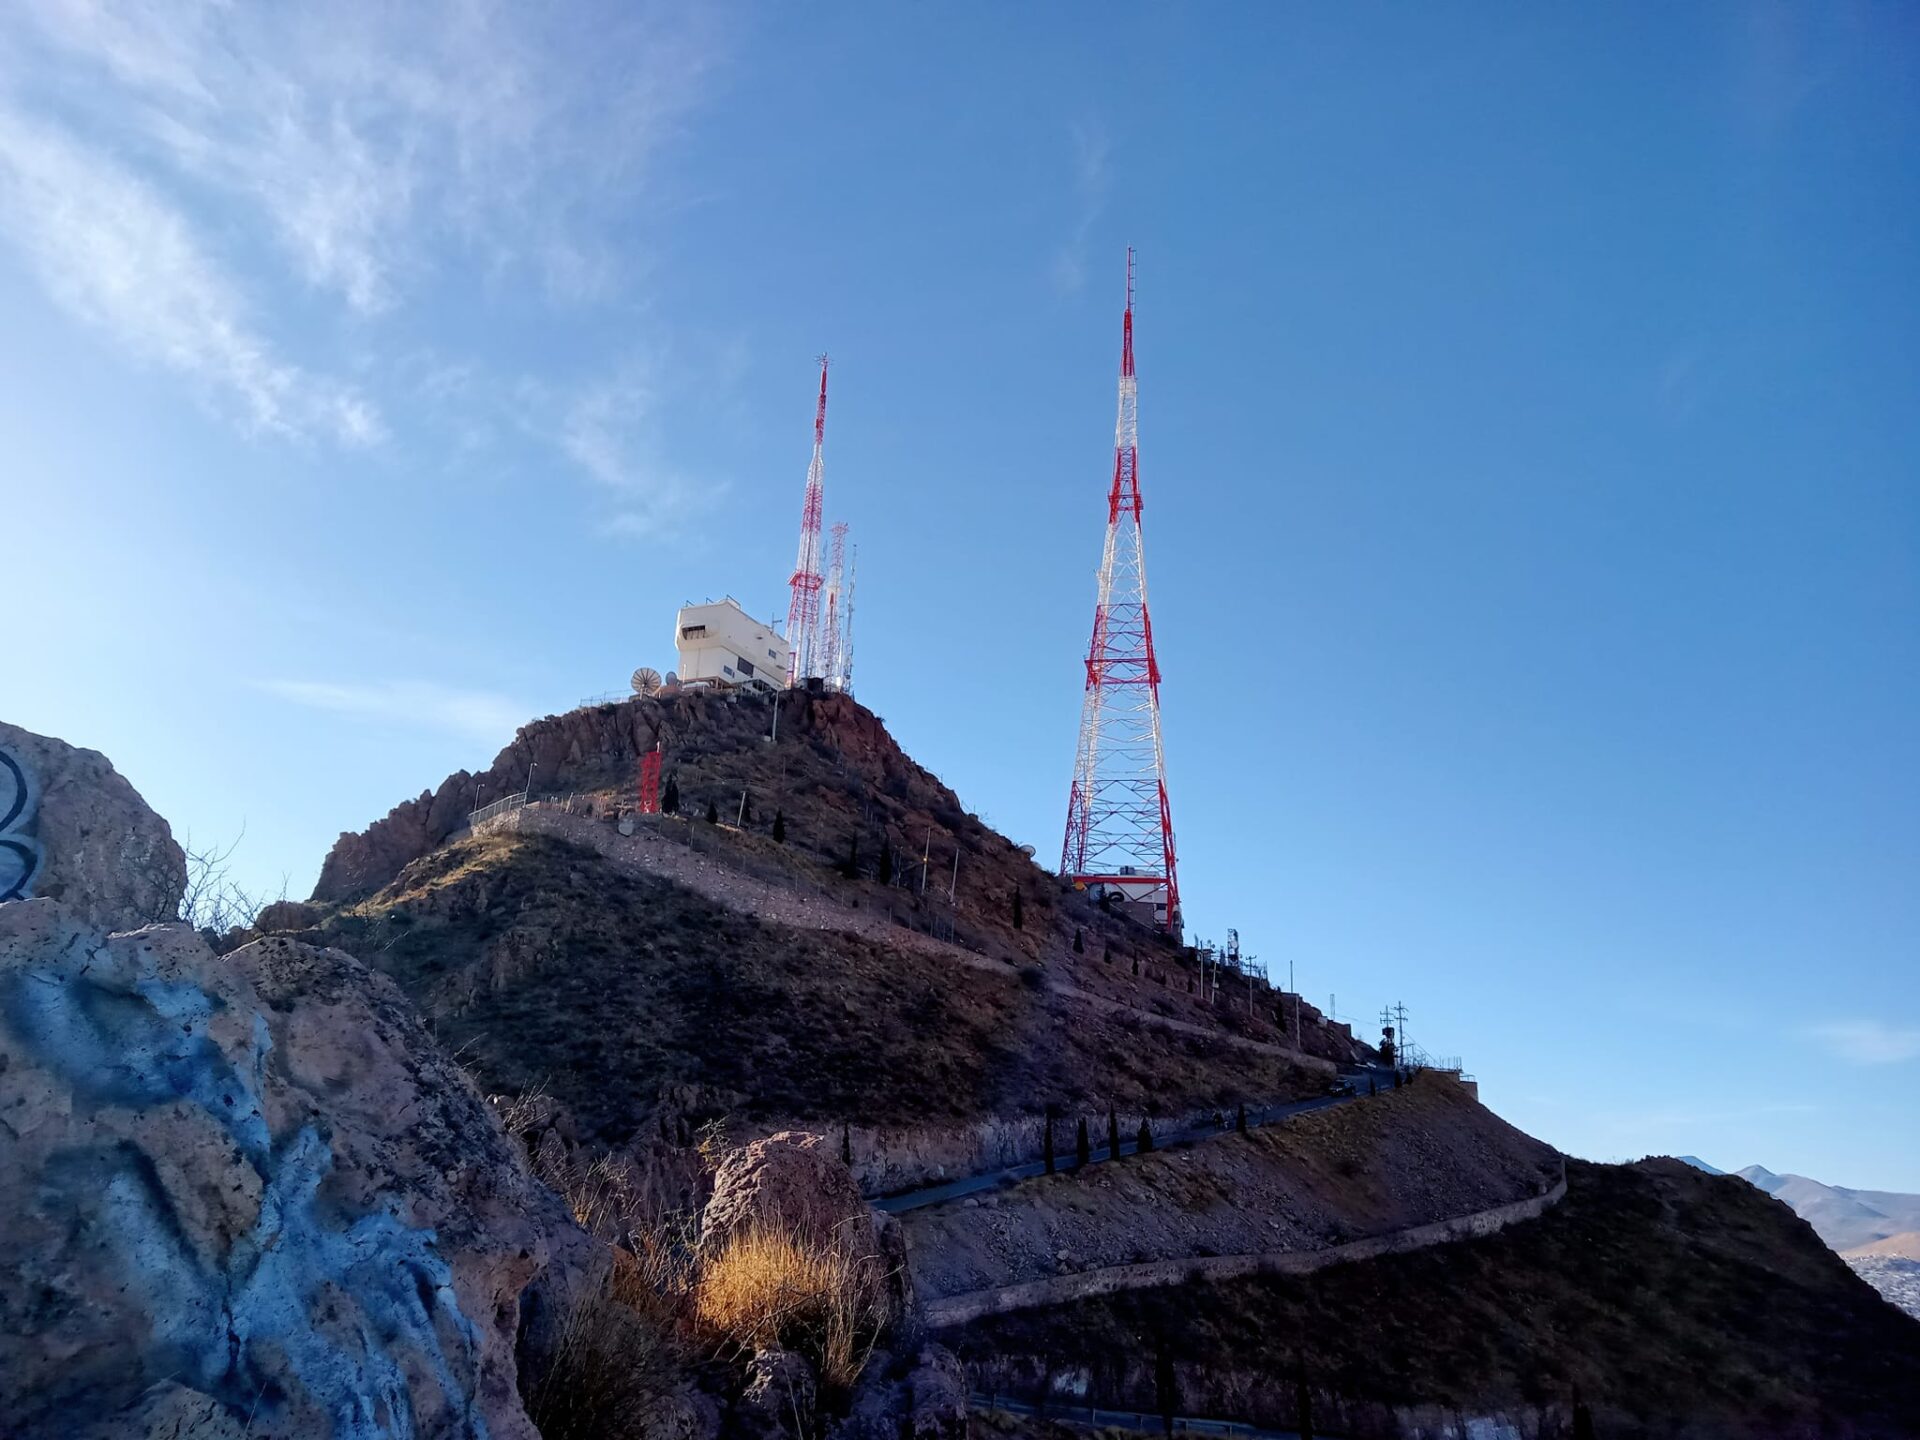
(926, 856)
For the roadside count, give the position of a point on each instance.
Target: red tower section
(1119, 838)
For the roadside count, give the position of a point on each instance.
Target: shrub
(1079, 945)
(820, 1299)
(1146, 1138)
(1113, 1134)
(1046, 1152)
(1019, 912)
(670, 797)
(1082, 1144)
(779, 827)
(713, 813)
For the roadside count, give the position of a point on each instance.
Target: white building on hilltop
(721, 644)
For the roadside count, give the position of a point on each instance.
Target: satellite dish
(646, 680)
(1027, 850)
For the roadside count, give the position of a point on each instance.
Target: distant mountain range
(1848, 1220)
(1877, 1232)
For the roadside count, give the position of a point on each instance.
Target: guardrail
(498, 807)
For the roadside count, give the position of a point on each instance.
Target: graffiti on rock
(20, 853)
(347, 1308)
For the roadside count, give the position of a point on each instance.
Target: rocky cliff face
(73, 829)
(597, 749)
(250, 1189)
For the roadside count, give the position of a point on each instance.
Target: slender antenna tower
(1119, 825)
(803, 609)
(830, 613)
(846, 624)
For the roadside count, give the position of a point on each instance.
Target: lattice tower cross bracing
(803, 606)
(1119, 833)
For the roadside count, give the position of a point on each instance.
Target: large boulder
(792, 1183)
(72, 829)
(249, 1195)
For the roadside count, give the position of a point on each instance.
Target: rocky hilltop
(737, 1122)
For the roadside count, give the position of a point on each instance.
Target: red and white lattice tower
(844, 679)
(832, 614)
(1119, 826)
(803, 609)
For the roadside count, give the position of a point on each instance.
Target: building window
(690, 632)
(726, 669)
(746, 668)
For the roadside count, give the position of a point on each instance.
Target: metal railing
(499, 807)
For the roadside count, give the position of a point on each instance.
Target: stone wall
(1065, 1289)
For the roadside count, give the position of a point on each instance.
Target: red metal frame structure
(803, 608)
(1119, 825)
(650, 782)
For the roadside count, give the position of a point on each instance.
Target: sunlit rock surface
(248, 1194)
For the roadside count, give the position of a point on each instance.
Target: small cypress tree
(1146, 1138)
(779, 827)
(1047, 1152)
(886, 861)
(1302, 1404)
(1396, 1079)
(746, 810)
(1113, 1134)
(713, 813)
(846, 1146)
(1082, 1144)
(851, 866)
(670, 797)
(1136, 966)
(1106, 953)
(1019, 912)
(1240, 1118)
(1373, 1086)
(1582, 1421)
(1079, 945)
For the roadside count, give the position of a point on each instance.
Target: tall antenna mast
(1119, 836)
(846, 624)
(830, 614)
(803, 609)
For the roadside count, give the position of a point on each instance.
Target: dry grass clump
(617, 1360)
(822, 1299)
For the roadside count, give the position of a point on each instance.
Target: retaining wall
(1064, 1289)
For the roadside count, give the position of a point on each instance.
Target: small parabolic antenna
(1028, 851)
(646, 680)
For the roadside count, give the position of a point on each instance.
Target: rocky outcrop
(248, 1195)
(597, 748)
(792, 1184)
(72, 829)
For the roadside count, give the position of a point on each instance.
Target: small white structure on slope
(720, 644)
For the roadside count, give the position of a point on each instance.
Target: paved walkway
(1093, 1418)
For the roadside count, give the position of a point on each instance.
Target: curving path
(991, 1179)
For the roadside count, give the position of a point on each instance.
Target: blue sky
(1527, 430)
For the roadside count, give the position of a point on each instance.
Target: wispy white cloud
(1090, 185)
(199, 177)
(112, 251)
(481, 714)
(1869, 1042)
(611, 427)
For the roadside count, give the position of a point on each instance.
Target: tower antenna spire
(1119, 836)
(803, 605)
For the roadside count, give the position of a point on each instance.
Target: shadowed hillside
(1670, 1301)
